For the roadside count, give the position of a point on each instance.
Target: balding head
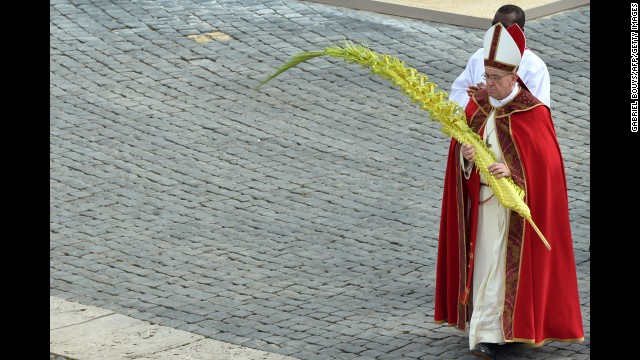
(508, 15)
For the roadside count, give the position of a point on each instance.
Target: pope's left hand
(499, 170)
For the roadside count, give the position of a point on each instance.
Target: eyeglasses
(493, 77)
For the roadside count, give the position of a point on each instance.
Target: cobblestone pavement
(300, 219)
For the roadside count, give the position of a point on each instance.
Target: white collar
(498, 103)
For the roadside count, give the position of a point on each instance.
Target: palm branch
(448, 113)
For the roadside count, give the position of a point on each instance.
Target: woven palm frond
(448, 113)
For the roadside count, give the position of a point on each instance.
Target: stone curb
(456, 13)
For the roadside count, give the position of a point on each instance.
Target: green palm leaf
(297, 59)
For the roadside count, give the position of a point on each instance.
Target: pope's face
(499, 84)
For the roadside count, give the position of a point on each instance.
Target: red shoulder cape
(541, 297)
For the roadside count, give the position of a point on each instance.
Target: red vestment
(541, 288)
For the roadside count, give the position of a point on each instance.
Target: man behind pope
(495, 278)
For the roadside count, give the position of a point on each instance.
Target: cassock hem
(532, 343)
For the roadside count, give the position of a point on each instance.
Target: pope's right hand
(468, 152)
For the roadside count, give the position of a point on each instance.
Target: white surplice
(489, 272)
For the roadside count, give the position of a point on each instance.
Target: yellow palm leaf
(448, 113)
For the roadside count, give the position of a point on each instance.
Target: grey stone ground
(299, 219)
